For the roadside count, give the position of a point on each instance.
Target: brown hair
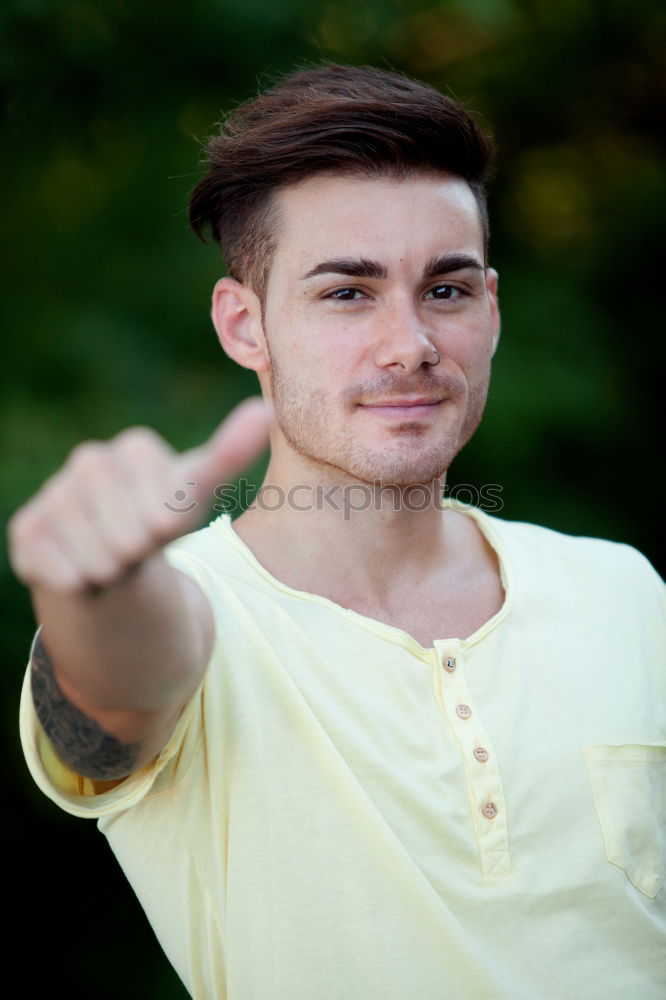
(342, 119)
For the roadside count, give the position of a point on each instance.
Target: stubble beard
(306, 422)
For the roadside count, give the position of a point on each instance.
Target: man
(343, 749)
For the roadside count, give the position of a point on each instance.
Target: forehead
(397, 221)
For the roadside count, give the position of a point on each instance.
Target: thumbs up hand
(113, 504)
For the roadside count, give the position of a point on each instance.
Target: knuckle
(72, 584)
(140, 441)
(106, 574)
(99, 568)
(131, 544)
(130, 551)
(87, 453)
(55, 499)
(25, 526)
(150, 541)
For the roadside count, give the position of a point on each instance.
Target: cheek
(335, 347)
(348, 349)
(470, 347)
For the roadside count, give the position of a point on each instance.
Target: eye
(345, 294)
(445, 292)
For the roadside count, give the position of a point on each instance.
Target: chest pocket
(629, 789)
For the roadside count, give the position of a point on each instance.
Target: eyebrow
(353, 267)
(450, 262)
(361, 267)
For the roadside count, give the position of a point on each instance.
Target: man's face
(371, 278)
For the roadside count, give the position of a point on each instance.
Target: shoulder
(213, 549)
(544, 556)
(203, 544)
(574, 546)
(225, 570)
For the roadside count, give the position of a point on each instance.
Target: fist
(113, 504)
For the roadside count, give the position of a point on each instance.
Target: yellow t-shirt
(342, 814)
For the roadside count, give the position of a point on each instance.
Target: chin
(402, 478)
(409, 461)
(413, 460)
(399, 471)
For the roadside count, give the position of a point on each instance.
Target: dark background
(104, 108)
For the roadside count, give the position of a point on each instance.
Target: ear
(236, 315)
(492, 279)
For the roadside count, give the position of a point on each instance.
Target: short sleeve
(85, 797)
(81, 796)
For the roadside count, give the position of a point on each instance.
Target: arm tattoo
(80, 742)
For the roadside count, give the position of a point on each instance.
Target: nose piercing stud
(437, 359)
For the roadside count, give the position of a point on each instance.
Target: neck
(321, 531)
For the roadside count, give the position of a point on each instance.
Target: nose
(402, 340)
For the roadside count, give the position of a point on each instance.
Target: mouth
(403, 408)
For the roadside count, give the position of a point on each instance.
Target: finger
(38, 558)
(147, 468)
(110, 501)
(74, 529)
(239, 440)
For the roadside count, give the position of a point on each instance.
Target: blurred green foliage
(105, 314)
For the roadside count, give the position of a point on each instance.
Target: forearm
(140, 645)
(79, 740)
(125, 637)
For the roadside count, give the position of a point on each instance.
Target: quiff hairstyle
(358, 120)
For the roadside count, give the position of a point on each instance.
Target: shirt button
(464, 711)
(450, 663)
(489, 810)
(481, 754)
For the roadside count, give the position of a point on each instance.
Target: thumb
(239, 440)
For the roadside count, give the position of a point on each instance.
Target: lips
(402, 402)
(403, 408)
